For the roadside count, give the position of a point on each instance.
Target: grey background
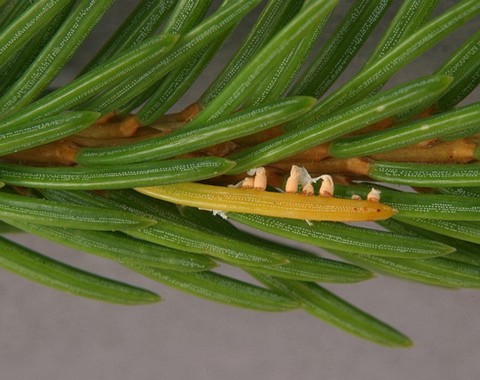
(45, 334)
